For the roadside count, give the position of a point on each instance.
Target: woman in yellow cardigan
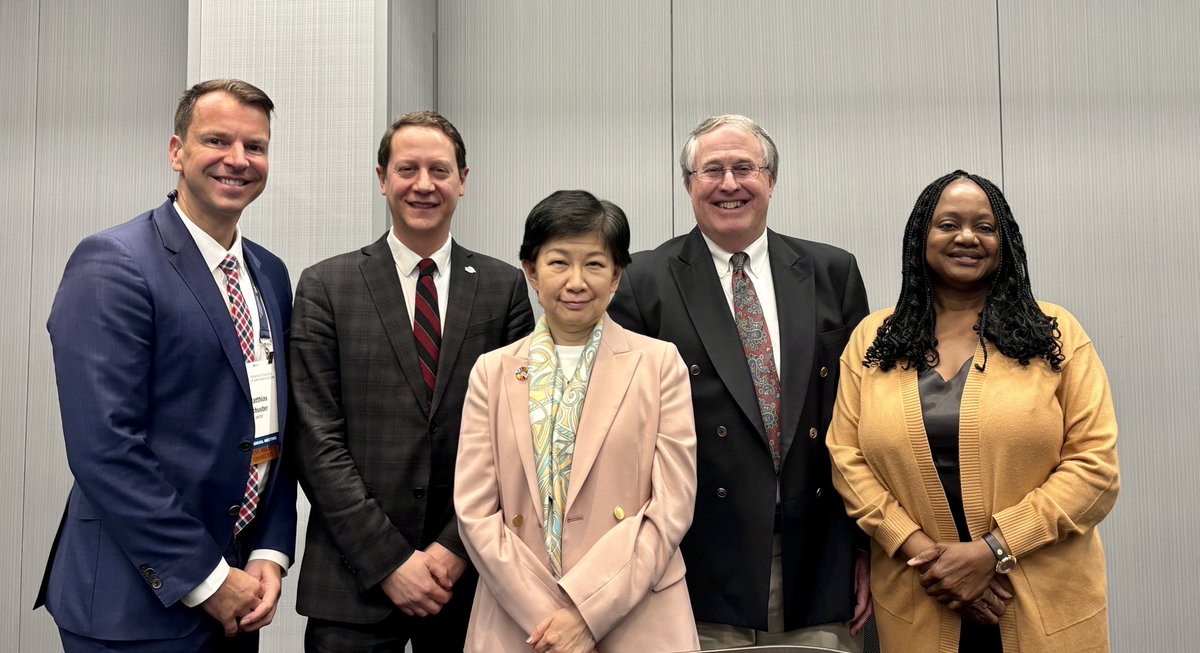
(974, 441)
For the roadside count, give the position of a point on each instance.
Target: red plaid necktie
(427, 327)
(756, 343)
(245, 334)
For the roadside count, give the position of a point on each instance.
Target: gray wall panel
(558, 95)
(867, 103)
(18, 74)
(108, 80)
(1102, 153)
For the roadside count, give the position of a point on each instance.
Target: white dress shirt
(407, 270)
(213, 253)
(759, 270)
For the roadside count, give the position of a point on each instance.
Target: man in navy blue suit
(168, 334)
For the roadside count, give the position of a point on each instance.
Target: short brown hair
(424, 119)
(245, 92)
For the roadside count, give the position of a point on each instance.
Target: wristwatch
(1005, 561)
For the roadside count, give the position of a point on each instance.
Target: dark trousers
(207, 639)
(444, 631)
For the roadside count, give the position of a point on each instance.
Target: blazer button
(155, 583)
(722, 493)
(824, 371)
(722, 431)
(517, 520)
(812, 433)
(234, 510)
(419, 493)
(619, 513)
(695, 370)
(244, 446)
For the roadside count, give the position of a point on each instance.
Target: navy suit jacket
(157, 419)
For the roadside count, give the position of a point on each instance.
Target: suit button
(148, 572)
(619, 513)
(722, 493)
(812, 433)
(518, 520)
(824, 372)
(419, 493)
(818, 493)
(155, 583)
(244, 445)
(695, 370)
(722, 431)
(234, 510)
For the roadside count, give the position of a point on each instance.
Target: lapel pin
(469, 269)
(522, 373)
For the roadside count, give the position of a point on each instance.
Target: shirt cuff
(277, 557)
(209, 586)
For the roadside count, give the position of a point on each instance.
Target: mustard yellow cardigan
(1037, 457)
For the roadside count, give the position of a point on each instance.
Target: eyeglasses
(741, 172)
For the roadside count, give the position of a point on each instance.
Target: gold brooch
(522, 373)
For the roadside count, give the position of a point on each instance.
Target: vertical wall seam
(671, 108)
(437, 77)
(33, 198)
(1000, 92)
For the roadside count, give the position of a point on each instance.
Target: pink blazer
(630, 501)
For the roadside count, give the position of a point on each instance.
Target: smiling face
(574, 277)
(422, 184)
(963, 246)
(222, 159)
(732, 213)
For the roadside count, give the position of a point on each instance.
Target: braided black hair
(1011, 318)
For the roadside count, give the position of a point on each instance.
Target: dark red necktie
(427, 326)
(245, 334)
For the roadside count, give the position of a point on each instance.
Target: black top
(940, 407)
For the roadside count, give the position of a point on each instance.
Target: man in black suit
(383, 340)
(761, 320)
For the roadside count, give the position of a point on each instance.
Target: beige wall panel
(324, 64)
(558, 95)
(18, 74)
(1102, 154)
(867, 102)
(108, 79)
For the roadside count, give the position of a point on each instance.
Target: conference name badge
(266, 411)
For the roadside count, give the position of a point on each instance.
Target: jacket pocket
(893, 585)
(674, 573)
(1068, 581)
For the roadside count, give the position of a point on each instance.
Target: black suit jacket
(673, 293)
(376, 465)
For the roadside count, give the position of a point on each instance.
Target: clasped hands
(247, 600)
(423, 584)
(564, 631)
(962, 576)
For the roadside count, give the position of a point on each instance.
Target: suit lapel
(794, 282)
(189, 264)
(516, 394)
(266, 294)
(378, 268)
(457, 317)
(697, 281)
(611, 376)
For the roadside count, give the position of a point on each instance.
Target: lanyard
(264, 325)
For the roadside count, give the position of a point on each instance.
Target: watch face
(1006, 564)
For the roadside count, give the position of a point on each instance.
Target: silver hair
(687, 157)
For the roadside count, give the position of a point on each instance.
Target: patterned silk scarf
(554, 409)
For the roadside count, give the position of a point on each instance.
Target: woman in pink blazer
(576, 474)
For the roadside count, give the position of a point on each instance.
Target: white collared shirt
(214, 253)
(759, 270)
(407, 271)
